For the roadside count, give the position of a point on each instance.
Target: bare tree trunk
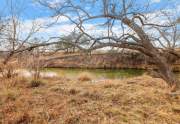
(166, 73)
(161, 62)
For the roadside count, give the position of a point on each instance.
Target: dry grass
(85, 76)
(140, 100)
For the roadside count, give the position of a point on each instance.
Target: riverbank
(61, 100)
(128, 60)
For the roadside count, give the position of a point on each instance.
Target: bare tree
(127, 26)
(65, 42)
(13, 36)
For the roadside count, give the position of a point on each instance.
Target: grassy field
(138, 100)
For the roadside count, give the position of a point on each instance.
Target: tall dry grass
(140, 100)
(85, 76)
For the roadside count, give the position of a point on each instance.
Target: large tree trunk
(161, 62)
(166, 73)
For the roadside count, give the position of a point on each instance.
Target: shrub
(7, 71)
(85, 76)
(36, 83)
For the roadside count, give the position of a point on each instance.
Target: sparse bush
(36, 83)
(73, 91)
(85, 76)
(8, 70)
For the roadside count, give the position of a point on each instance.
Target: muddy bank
(104, 61)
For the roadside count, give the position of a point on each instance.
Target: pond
(97, 73)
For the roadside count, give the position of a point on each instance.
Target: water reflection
(98, 73)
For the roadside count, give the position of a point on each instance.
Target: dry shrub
(36, 83)
(85, 76)
(8, 70)
(12, 82)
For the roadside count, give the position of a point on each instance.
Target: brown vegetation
(61, 101)
(85, 76)
(56, 100)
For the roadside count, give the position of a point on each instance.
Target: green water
(98, 73)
